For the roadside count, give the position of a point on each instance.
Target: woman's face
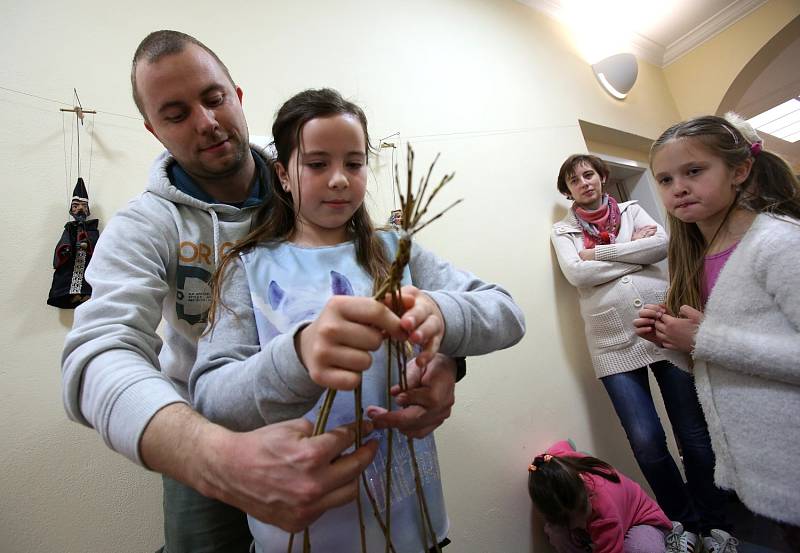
(585, 186)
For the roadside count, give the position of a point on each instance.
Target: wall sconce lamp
(617, 74)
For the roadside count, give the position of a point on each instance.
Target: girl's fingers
(430, 328)
(691, 313)
(644, 322)
(335, 378)
(365, 311)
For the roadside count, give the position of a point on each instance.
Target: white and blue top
(248, 373)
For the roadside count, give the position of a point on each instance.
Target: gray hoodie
(152, 261)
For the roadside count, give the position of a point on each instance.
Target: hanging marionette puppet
(73, 253)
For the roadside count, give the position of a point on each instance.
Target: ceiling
(659, 31)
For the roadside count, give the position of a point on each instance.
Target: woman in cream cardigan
(608, 252)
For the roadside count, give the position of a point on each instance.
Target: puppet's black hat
(79, 192)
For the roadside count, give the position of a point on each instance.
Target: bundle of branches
(414, 207)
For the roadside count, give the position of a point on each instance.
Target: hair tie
(537, 462)
(756, 148)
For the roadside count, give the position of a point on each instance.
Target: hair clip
(756, 148)
(732, 133)
(537, 462)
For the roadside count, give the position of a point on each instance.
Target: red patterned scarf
(599, 226)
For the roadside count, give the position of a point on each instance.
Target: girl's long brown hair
(275, 220)
(771, 187)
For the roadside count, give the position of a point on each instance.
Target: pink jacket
(615, 507)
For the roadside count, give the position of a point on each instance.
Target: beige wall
(492, 85)
(699, 80)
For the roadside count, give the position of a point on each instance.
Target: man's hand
(282, 476)
(278, 473)
(587, 255)
(427, 402)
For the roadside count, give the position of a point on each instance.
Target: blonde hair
(770, 187)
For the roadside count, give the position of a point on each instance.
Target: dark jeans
(194, 523)
(697, 504)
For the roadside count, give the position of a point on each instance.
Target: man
(153, 261)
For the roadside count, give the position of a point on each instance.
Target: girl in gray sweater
(293, 314)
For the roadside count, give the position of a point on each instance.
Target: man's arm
(110, 369)
(278, 473)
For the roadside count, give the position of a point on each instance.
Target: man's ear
(149, 127)
(239, 93)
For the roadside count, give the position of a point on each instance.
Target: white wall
(450, 73)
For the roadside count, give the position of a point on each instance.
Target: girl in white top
(734, 302)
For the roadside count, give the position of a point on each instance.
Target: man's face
(193, 109)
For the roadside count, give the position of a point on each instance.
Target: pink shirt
(616, 507)
(712, 267)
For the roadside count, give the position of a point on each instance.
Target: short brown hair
(568, 169)
(159, 44)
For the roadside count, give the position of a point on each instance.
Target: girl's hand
(422, 321)
(643, 232)
(586, 255)
(644, 326)
(678, 333)
(336, 347)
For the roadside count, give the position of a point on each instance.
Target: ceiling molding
(710, 28)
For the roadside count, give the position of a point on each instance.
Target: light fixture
(782, 121)
(617, 74)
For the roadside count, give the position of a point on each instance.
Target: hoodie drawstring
(215, 224)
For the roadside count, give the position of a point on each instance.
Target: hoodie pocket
(607, 328)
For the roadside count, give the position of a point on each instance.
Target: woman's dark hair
(275, 220)
(557, 488)
(567, 170)
(770, 187)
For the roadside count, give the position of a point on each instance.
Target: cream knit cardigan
(747, 369)
(614, 287)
